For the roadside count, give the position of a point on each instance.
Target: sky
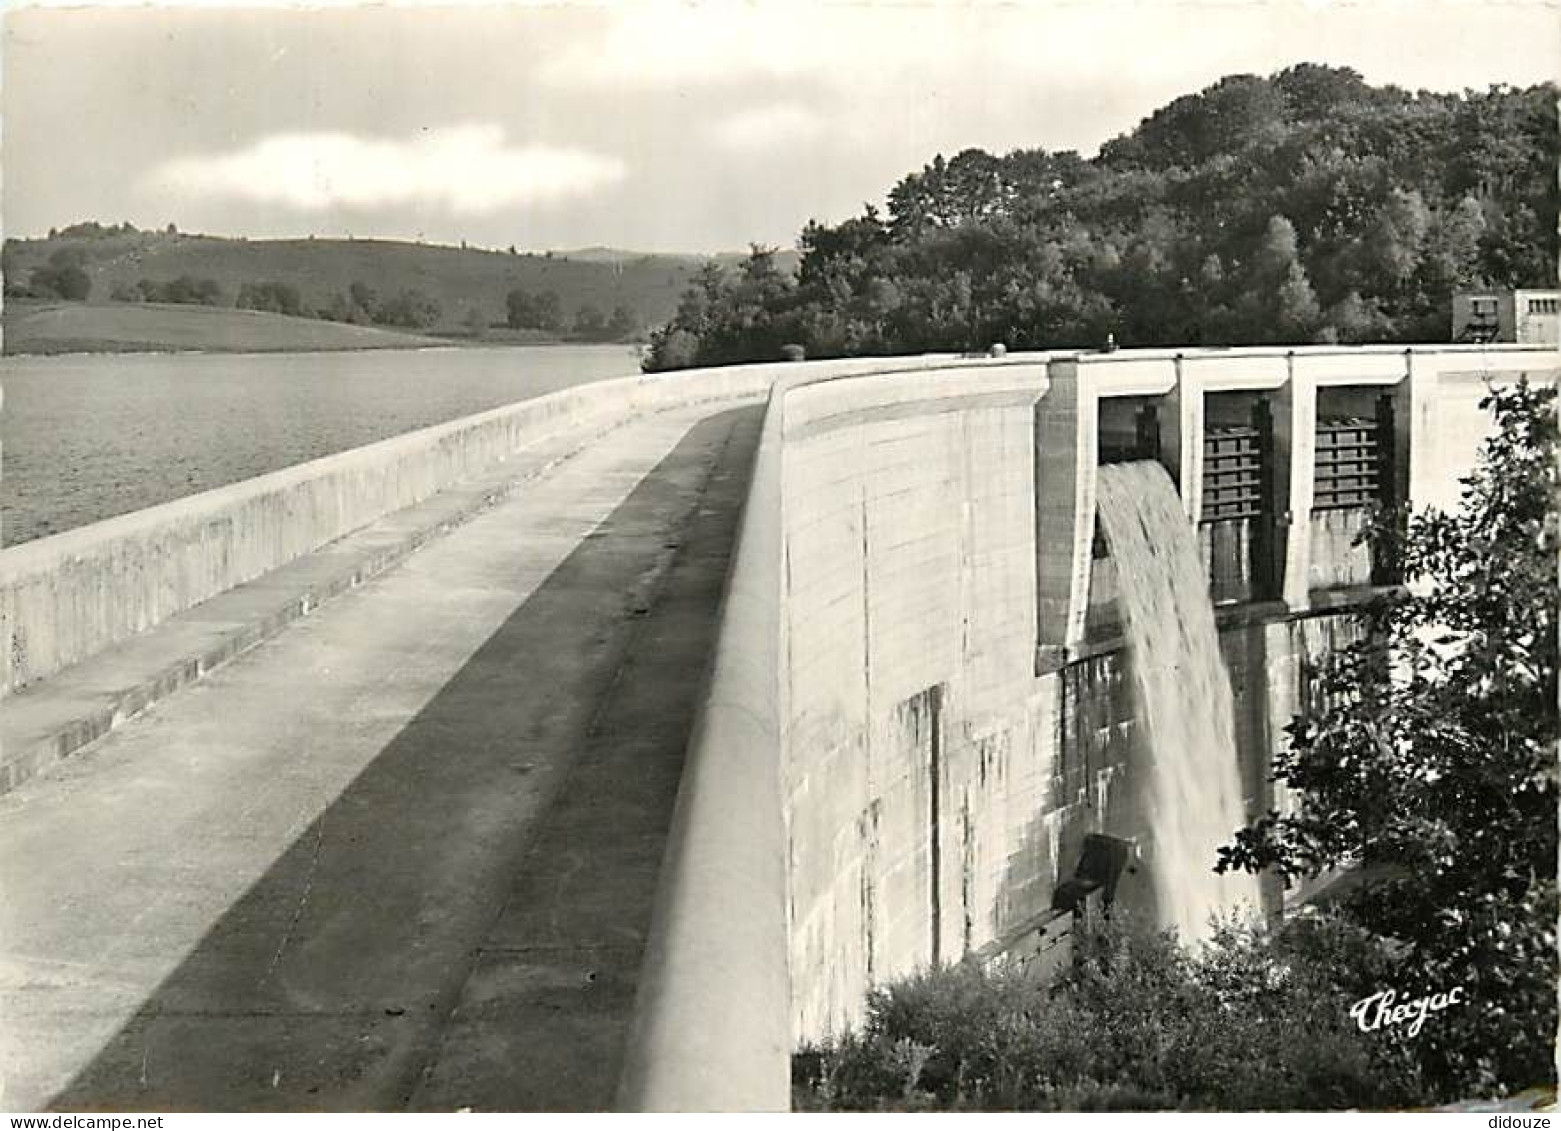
(653, 126)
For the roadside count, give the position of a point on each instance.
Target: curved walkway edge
(402, 855)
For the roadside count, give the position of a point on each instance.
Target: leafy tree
(1238, 111)
(622, 325)
(1354, 320)
(734, 316)
(69, 256)
(184, 289)
(970, 187)
(272, 297)
(1452, 254)
(366, 299)
(1277, 302)
(1396, 241)
(671, 348)
(677, 345)
(338, 308)
(540, 311)
(549, 312)
(70, 282)
(590, 323)
(1314, 93)
(1429, 763)
(1296, 313)
(90, 230)
(519, 306)
(1385, 203)
(411, 309)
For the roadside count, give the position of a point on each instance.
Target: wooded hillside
(1304, 207)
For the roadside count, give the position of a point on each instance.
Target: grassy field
(68, 327)
(468, 284)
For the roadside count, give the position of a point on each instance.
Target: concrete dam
(596, 750)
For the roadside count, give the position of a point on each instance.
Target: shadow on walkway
(463, 925)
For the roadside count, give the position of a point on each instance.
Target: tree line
(65, 277)
(359, 305)
(1307, 206)
(543, 311)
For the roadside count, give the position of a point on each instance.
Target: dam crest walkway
(402, 854)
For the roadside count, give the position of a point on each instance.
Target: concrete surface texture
(67, 597)
(53, 718)
(403, 854)
(410, 852)
(939, 782)
(718, 936)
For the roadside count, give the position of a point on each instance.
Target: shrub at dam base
(1246, 1021)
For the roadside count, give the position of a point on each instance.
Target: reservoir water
(86, 437)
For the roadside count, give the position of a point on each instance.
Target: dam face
(958, 707)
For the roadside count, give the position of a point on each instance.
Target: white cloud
(765, 128)
(469, 170)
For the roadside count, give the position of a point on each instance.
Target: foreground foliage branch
(1428, 762)
(1249, 1021)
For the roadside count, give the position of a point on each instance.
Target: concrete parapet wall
(717, 943)
(66, 597)
(712, 1029)
(69, 596)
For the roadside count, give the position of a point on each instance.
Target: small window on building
(1544, 305)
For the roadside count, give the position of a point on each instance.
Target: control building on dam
(596, 750)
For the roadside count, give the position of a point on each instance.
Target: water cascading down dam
(1183, 690)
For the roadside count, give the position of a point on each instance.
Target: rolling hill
(467, 283)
